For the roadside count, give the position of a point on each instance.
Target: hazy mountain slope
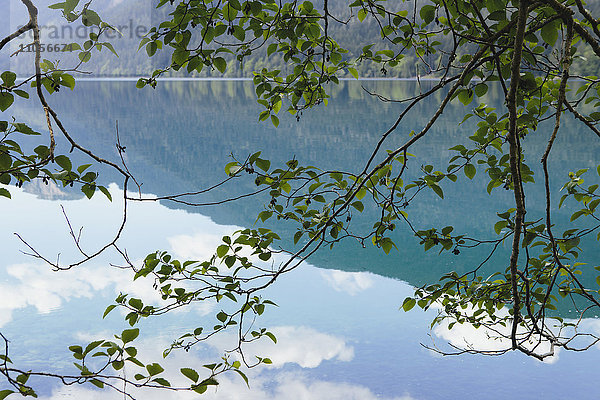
(135, 17)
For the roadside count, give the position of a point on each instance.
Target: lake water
(340, 333)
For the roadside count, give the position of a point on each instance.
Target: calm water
(340, 334)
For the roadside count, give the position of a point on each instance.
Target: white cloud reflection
(200, 246)
(348, 282)
(32, 283)
(282, 386)
(466, 336)
(37, 286)
(265, 382)
(298, 345)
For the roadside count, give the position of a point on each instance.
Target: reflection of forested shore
(179, 137)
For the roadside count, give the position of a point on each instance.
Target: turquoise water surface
(340, 333)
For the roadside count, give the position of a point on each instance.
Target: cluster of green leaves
(202, 34)
(231, 276)
(16, 164)
(588, 198)
(18, 167)
(321, 202)
(89, 18)
(116, 355)
(19, 382)
(482, 41)
(8, 90)
(473, 299)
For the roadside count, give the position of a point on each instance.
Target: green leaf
(105, 192)
(132, 351)
(180, 56)
(92, 346)
(362, 14)
(438, 190)
(85, 56)
(429, 243)
(336, 58)
(57, 6)
(275, 120)
(88, 190)
(470, 171)
(232, 168)
(154, 369)
(128, 335)
(480, 89)
(117, 365)
(136, 303)
(23, 128)
(408, 304)
(220, 64)
(110, 47)
(5, 161)
(23, 378)
(244, 377)
(447, 230)
(577, 214)
(260, 308)
(492, 184)
(353, 72)
(358, 205)
(386, 245)
(499, 226)
(5, 393)
(263, 115)
(263, 164)
(5, 358)
(97, 383)
(528, 238)
(200, 389)
(465, 96)
(427, 13)
(361, 193)
(90, 17)
(69, 5)
(6, 100)
(68, 81)
(162, 381)
(221, 316)
(549, 33)
(222, 250)
(64, 162)
(286, 187)
(271, 336)
(21, 93)
(4, 193)
(229, 12)
(8, 77)
(83, 167)
(190, 374)
(151, 49)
